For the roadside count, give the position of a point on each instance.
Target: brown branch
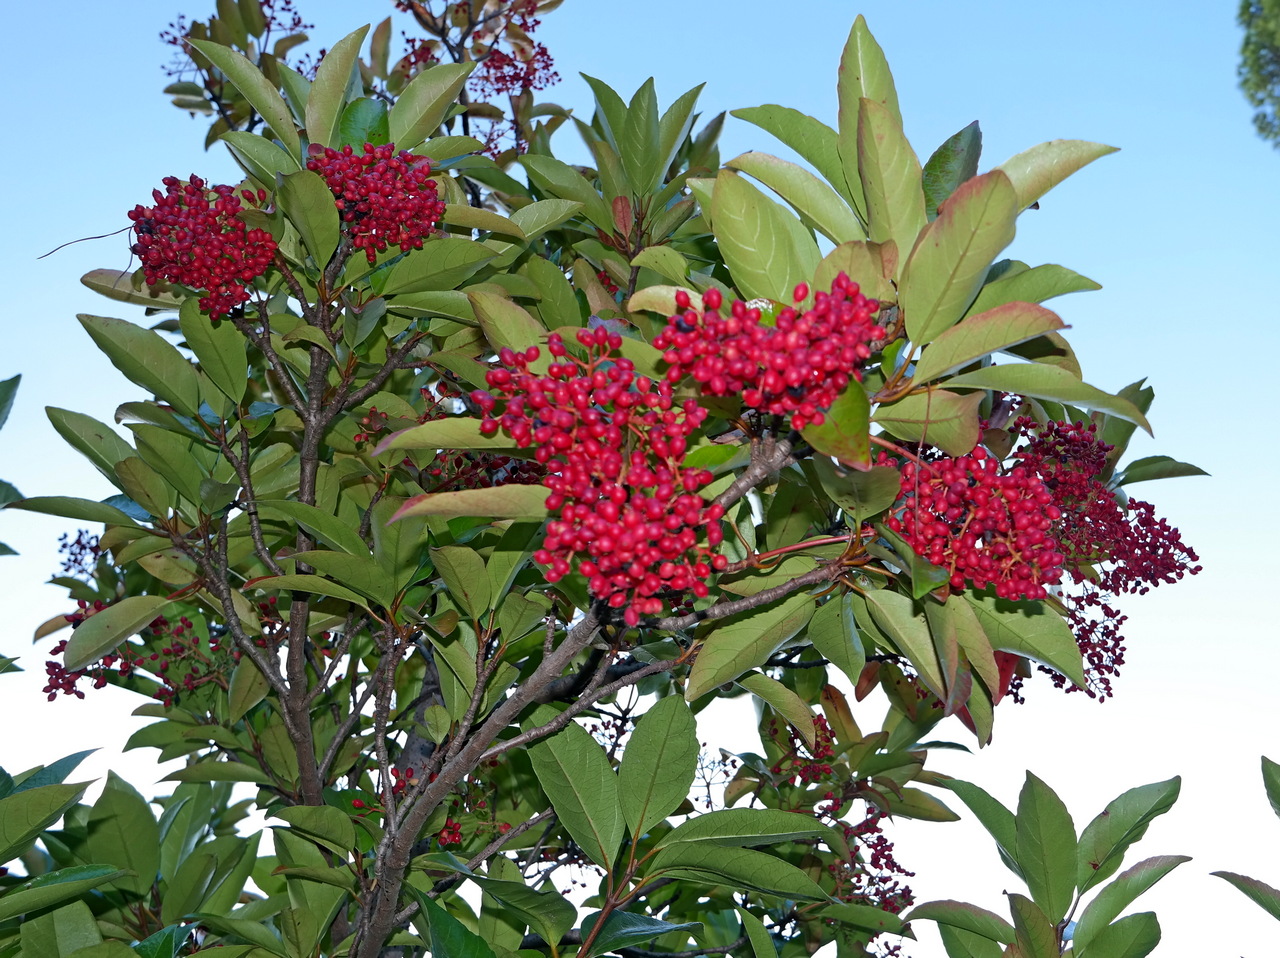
(769, 456)
(675, 623)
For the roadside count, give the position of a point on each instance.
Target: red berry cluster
(796, 367)
(385, 198)
(986, 527)
(613, 444)
(194, 236)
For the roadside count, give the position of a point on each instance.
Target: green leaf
(624, 929)
(948, 265)
(835, 637)
(1033, 285)
(1031, 630)
(165, 943)
(819, 206)
(454, 432)
(864, 72)
(845, 432)
(1259, 892)
(562, 180)
(903, 621)
(737, 827)
(1125, 819)
(981, 335)
(1036, 936)
(961, 915)
(441, 264)
(664, 261)
(575, 773)
(8, 389)
(448, 935)
(639, 145)
(53, 888)
(1119, 895)
(674, 127)
(1133, 936)
(103, 631)
(999, 822)
(499, 502)
(259, 157)
(741, 642)
(324, 824)
(24, 815)
(960, 943)
(940, 417)
(1049, 382)
(953, 163)
(147, 359)
(212, 770)
(1156, 467)
(767, 250)
(96, 441)
(816, 143)
(546, 912)
(864, 916)
(859, 494)
(359, 572)
(891, 178)
(218, 347)
(118, 285)
(783, 701)
(364, 121)
(328, 94)
(872, 265)
(1036, 171)
(481, 219)
(257, 89)
(611, 111)
(144, 486)
(956, 619)
(1271, 782)
(323, 525)
(658, 765)
(314, 584)
(742, 869)
(464, 576)
(69, 508)
(247, 688)
(70, 929)
(122, 832)
(423, 104)
(761, 941)
(505, 324)
(309, 205)
(1045, 847)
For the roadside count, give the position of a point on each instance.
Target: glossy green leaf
(448, 935)
(961, 915)
(1035, 934)
(658, 765)
(314, 584)
(674, 127)
(309, 205)
(499, 502)
(761, 941)
(891, 178)
(69, 508)
(118, 285)
(464, 576)
(846, 430)
(742, 869)
(359, 572)
(24, 815)
(983, 334)
(147, 359)
(999, 822)
(165, 943)
(67, 930)
(766, 248)
(872, 266)
(324, 824)
(736, 827)
(960, 943)
(1125, 819)
(218, 347)
(549, 914)
(951, 164)
(1033, 285)
(259, 157)
(624, 929)
(96, 441)
(639, 146)
(1035, 171)
(942, 418)
(455, 432)
(562, 180)
(860, 494)
(816, 143)
(1038, 381)
(1258, 892)
(324, 526)
(8, 389)
(864, 916)
(328, 96)
(103, 631)
(783, 701)
(575, 773)
(744, 641)
(122, 832)
(441, 264)
(1045, 847)
(1133, 936)
(1031, 630)
(475, 218)
(505, 324)
(254, 87)
(611, 111)
(1271, 783)
(54, 888)
(423, 104)
(819, 206)
(903, 621)
(1119, 895)
(212, 770)
(364, 120)
(1156, 467)
(835, 636)
(942, 275)
(248, 687)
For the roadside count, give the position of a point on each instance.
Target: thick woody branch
(676, 623)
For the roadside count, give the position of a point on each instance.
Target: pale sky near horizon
(1177, 227)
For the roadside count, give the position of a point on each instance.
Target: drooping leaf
(575, 773)
(983, 334)
(845, 433)
(1259, 892)
(122, 832)
(1133, 936)
(26, 814)
(835, 636)
(1031, 630)
(658, 765)
(147, 359)
(961, 915)
(103, 631)
(999, 822)
(744, 641)
(942, 275)
(1045, 847)
(1038, 381)
(624, 929)
(118, 285)
(53, 888)
(783, 701)
(762, 945)
(1156, 467)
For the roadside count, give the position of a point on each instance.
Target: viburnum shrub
(437, 547)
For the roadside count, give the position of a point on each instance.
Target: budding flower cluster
(384, 198)
(986, 527)
(194, 236)
(796, 367)
(613, 444)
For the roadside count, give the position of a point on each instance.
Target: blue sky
(1177, 227)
